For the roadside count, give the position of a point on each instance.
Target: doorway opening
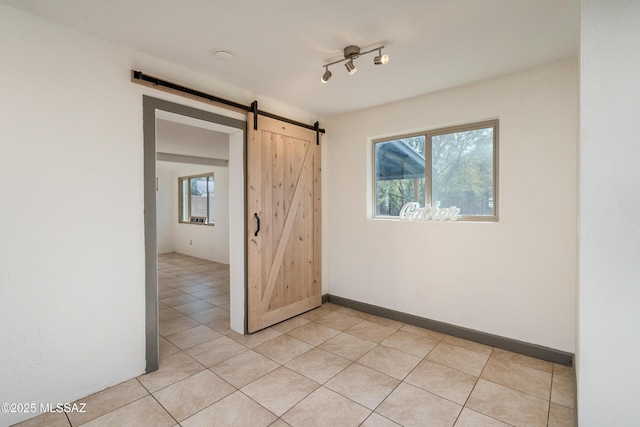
(166, 113)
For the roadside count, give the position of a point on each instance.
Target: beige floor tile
(172, 369)
(182, 285)
(283, 349)
(363, 385)
(210, 315)
(318, 365)
(193, 307)
(168, 314)
(178, 300)
(469, 345)
(337, 320)
(324, 408)
(208, 281)
(563, 391)
(145, 412)
(347, 346)
(331, 306)
(221, 326)
(410, 343)
(508, 405)
(370, 331)
(423, 332)
(354, 313)
(216, 351)
(107, 400)
(313, 333)
(207, 293)
(255, 339)
(235, 410)
(169, 292)
(280, 390)
(193, 394)
(377, 420)
(46, 420)
(178, 324)
(531, 362)
(563, 371)
(389, 361)
(315, 314)
(223, 298)
(410, 406)
(244, 368)
(193, 288)
(518, 377)
(195, 274)
(290, 324)
(443, 381)
(561, 416)
(166, 348)
(469, 418)
(389, 323)
(458, 358)
(279, 423)
(192, 337)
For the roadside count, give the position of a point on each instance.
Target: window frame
(181, 179)
(428, 135)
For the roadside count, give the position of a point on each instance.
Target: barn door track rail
(151, 81)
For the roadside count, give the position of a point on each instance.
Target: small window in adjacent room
(436, 170)
(196, 199)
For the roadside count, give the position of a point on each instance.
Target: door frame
(237, 130)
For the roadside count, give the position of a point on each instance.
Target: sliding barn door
(283, 178)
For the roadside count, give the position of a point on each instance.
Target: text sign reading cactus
(411, 211)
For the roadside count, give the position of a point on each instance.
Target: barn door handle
(258, 219)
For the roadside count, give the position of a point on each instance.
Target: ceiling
(280, 46)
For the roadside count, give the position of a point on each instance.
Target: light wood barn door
(283, 178)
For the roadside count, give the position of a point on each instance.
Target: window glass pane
(210, 191)
(198, 197)
(399, 174)
(184, 193)
(462, 166)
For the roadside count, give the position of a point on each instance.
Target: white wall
(515, 278)
(72, 258)
(166, 209)
(206, 242)
(608, 372)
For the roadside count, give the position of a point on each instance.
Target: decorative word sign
(411, 211)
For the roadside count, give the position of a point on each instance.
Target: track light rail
(353, 56)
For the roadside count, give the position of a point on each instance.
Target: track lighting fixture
(326, 76)
(351, 53)
(350, 67)
(381, 59)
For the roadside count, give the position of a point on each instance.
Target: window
(439, 169)
(196, 199)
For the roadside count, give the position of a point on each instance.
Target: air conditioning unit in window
(198, 220)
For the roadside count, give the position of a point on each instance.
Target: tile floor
(332, 366)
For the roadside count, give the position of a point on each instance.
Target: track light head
(350, 67)
(381, 59)
(326, 76)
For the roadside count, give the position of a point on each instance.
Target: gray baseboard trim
(325, 298)
(533, 350)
